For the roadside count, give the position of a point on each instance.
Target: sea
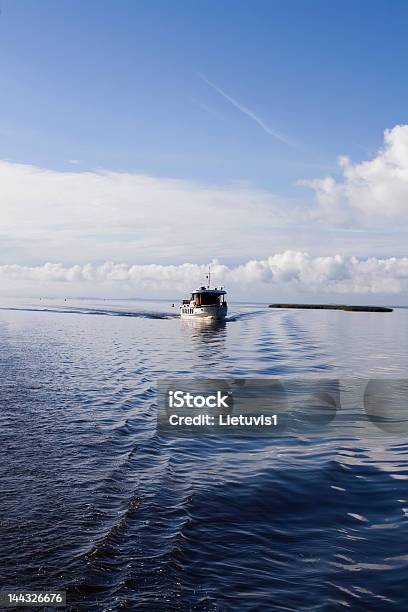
(96, 502)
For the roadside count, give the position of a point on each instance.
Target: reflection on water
(95, 502)
(205, 341)
(203, 327)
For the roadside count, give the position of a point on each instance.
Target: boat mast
(209, 277)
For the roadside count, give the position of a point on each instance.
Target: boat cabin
(208, 297)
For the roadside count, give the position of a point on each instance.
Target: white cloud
(372, 193)
(98, 215)
(78, 217)
(294, 270)
(81, 216)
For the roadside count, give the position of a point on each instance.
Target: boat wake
(245, 315)
(95, 311)
(141, 314)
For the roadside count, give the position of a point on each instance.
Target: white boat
(205, 303)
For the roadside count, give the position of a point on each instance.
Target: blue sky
(181, 131)
(117, 85)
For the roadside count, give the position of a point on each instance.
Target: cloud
(371, 193)
(96, 215)
(75, 217)
(291, 269)
(243, 109)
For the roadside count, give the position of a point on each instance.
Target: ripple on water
(94, 501)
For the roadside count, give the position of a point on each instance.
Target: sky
(140, 141)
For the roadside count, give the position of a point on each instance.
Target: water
(94, 502)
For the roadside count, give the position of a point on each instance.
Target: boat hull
(203, 312)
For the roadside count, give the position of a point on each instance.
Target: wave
(95, 311)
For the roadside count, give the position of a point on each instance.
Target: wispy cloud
(246, 111)
(51, 214)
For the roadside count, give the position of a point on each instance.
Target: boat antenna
(208, 276)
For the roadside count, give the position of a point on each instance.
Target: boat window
(210, 299)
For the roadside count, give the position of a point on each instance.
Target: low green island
(334, 307)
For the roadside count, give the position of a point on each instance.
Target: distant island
(334, 307)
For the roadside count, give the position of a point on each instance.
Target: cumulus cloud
(371, 193)
(75, 217)
(299, 271)
(81, 216)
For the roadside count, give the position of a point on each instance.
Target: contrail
(248, 113)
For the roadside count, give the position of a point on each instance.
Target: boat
(205, 303)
